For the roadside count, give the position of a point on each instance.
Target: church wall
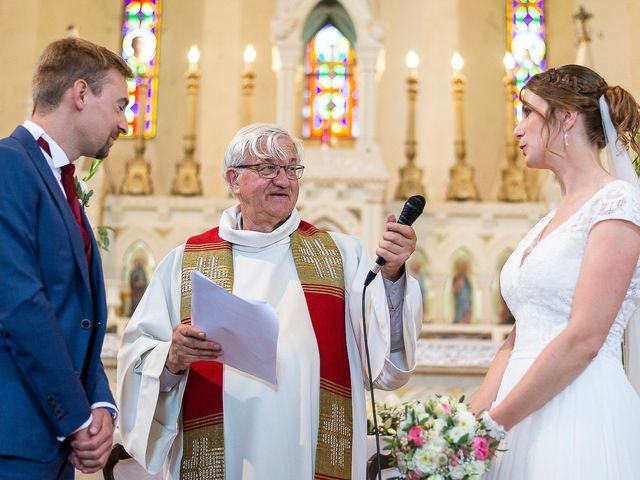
(26, 27)
(221, 63)
(482, 41)
(430, 29)
(222, 29)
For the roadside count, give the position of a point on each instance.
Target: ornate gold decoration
(513, 176)
(187, 180)
(248, 85)
(461, 183)
(410, 182)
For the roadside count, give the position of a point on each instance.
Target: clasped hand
(397, 244)
(188, 345)
(92, 445)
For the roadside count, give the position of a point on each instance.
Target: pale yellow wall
(222, 28)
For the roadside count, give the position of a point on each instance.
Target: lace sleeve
(619, 201)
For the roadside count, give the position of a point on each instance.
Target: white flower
(84, 188)
(479, 467)
(467, 421)
(426, 459)
(438, 425)
(456, 433)
(458, 472)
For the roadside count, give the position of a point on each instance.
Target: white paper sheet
(247, 330)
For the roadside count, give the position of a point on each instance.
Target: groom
(57, 410)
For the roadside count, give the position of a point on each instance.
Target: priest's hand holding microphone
(398, 241)
(397, 244)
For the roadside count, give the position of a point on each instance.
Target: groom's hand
(92, 445)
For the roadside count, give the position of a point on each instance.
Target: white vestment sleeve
(148, 423)
(389, 370)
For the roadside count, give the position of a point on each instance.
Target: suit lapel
(35, 154)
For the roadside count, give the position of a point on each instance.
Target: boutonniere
(84, 192)
(84, 195)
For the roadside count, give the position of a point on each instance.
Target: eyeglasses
(271, 170)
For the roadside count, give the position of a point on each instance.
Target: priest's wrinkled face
(267, 189)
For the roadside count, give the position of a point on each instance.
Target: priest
(193, 417)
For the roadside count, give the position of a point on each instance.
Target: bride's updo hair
(578, 88)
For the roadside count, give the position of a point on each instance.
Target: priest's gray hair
(258, 142)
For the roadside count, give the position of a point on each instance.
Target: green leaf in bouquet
(463, 439)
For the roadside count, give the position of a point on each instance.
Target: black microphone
(412, 209)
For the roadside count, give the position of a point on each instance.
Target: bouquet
(438, 439)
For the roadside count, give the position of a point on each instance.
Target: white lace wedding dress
(590, 430)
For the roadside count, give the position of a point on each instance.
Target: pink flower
(415, 436)
(446, 408)
(480, 447)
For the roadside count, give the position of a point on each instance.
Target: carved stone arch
(328, 224)
(332, 219)
(329, 11)
(287, 34)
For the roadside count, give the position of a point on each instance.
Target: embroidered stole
(319, 266)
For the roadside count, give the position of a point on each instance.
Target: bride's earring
(566, 138)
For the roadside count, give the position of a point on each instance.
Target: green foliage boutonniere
(84, 195)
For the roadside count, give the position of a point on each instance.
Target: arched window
(330, 98)
(140, 39)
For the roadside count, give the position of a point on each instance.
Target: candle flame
(457, 61)
(412, 60)
(249, 54)
(193, 55)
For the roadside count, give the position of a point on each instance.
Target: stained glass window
(140, 39)
(330, 102)
(526, 42)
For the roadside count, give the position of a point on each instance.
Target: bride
(573, 283)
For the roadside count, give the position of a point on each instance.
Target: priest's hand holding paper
(188, 345)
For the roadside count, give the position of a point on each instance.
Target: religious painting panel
(459, 291)
(138, 265)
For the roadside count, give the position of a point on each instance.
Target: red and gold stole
(319, 266)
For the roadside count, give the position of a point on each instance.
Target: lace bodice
(540, 290)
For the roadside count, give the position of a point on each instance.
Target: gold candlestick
(187, 181)
(410, 182)
(137, 180)
(461, 184)
(248, 83)
(512, 184)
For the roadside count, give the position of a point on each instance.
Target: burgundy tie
(69, 186)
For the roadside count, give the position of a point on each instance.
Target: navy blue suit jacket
(52, 309)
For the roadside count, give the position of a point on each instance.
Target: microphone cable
(373, 400)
